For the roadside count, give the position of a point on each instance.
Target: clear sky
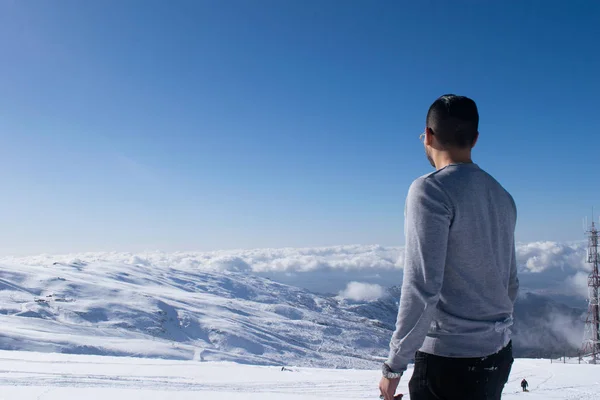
(200, 125)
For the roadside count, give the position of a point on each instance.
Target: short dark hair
(454, 120)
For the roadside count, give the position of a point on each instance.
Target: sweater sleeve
(513, 284)
(428, 215)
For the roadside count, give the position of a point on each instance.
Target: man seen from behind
(460, 275)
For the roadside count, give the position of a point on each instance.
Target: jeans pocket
(418, 381)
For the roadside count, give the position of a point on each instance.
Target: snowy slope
(221, 311)
(37, 376)
(543, 328)
(180, 313)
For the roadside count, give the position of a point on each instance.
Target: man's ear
(475, 140)
(428, 136)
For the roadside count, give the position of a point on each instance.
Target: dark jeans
(441, 378)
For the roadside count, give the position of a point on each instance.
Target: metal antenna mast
(591, 340)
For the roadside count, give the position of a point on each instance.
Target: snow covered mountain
(140, 310)
(544, 327)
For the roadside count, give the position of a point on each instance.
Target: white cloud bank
(578, 284)
(541, 256)
(360, 291)
(331, 269)
(289, 260)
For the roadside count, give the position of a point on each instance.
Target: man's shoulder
(429, 179)
(427, 185)
(502, 188)
(420, 183)
(437, 178)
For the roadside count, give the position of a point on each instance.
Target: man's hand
(388, 387)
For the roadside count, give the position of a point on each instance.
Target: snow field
(48, 376)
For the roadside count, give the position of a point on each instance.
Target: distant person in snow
(460, 274)
(524, 384)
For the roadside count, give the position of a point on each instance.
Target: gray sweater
(460, 273)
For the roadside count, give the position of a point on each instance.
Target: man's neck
(446, 158)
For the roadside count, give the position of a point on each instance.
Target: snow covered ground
(134, 329)
(48, 376)
(181, 313)
(220, 312)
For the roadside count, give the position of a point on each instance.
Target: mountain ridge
(99, 307)
(138, 309)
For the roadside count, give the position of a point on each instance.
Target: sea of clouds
(356, 272)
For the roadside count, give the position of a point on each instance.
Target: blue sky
(200, 125)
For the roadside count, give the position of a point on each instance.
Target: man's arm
(427, 222)
(513, 283)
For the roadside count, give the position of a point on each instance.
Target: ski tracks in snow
(166, 383)
(39, 376)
